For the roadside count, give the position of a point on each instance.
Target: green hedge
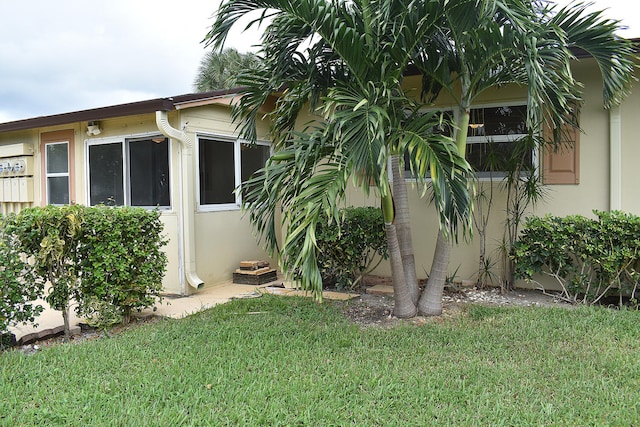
(18, 285)
(348, 250)
(589, 259)
(100, 257)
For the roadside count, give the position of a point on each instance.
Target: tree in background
(218, 70)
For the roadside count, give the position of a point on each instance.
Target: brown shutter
(561, 162)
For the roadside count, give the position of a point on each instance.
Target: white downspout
(186, 202)
(615, 159)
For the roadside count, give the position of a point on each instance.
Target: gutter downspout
(186, 203)
(615, 158)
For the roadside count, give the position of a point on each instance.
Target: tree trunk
(67, 328)
(403, 228)
(403, 306)
(431, 301)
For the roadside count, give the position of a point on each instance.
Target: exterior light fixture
(93, 128)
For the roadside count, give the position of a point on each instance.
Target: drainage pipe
(186, 203)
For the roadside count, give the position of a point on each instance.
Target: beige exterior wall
(593, 191)
(630, 156)
(222, 238)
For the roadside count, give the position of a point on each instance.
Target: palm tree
(218, 69)
(346, 59)
(486, 44)
(343, 61)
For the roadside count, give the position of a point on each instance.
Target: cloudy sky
(69, 55)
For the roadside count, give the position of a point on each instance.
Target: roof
(120, 110)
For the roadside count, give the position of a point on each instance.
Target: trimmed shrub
(348, 251)
(121, 259)
(50, 237)
(18, 285)
(589, 259)
(108, 260)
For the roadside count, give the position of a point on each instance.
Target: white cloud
(65, 56)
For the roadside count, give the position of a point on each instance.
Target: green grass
(288, 361)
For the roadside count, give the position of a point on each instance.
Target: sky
(69, 55)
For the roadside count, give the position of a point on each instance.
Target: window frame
(485, 176)
(48, 174)
(124, 141)
(237, 169)
(57, 137)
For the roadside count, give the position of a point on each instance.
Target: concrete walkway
(50, 321)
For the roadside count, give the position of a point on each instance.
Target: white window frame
(56, 174)
(237, 144)
(124, 144)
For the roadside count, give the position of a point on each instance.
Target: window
(57, 173)
(57, 150)
(223, 165)
(133, 172)
(491, 137)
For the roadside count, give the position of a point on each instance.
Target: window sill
(218, 208)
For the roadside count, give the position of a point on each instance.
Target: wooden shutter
(561, 163)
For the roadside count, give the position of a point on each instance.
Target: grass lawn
(288, 361)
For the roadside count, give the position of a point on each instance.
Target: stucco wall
(223, 238)
(591, 193)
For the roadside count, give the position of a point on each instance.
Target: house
(179, 155)
(598, 172)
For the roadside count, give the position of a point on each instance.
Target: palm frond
(596, 35)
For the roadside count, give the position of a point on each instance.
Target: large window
(223, 164)
(492, 136)
(133, 172)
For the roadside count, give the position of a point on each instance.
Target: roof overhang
(122, 110)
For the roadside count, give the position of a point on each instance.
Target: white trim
(124, 141)
(237, 169)
(615, 155)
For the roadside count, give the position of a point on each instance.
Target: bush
(121, 259)
(50, 236)
(100, 257)
(589, 259)
(347, 251)
(18, 285)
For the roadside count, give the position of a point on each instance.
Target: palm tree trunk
(431, 301)
(403, 307)
(403, 228)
